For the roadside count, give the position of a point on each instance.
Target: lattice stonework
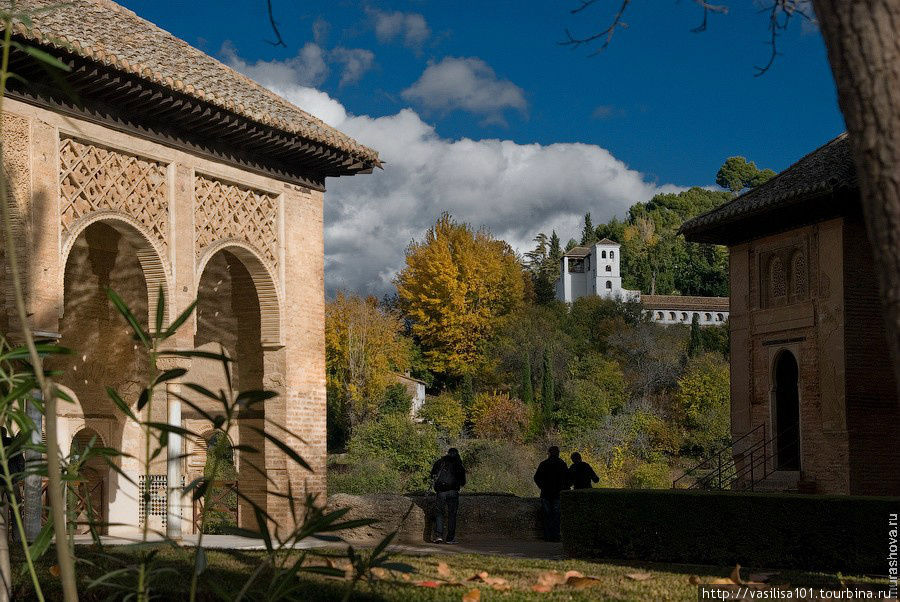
(228, 211)
(93, 178)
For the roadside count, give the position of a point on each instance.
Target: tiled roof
(578, 252)
(607, 241)
(110, 34)
(681, 302)
(828, 168)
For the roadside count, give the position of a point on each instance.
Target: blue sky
(661, 106)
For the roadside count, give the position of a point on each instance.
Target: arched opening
(612, 254)
(609, 268)
(787, 412)
(229, 314)
(609, 285)
(603, 254)
(86, 500)
(108, 254)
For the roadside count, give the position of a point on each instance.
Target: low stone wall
(481, 516)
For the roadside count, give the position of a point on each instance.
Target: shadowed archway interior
(787, 412)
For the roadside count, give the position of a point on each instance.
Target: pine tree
(527, 392)
(548, 393)
(695, 344)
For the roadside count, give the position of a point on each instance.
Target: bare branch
(606, 33)
(780, 13)
(278, 40)
(708, 8)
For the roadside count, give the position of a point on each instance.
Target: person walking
(581, 474)
(448, 475)
(552, 476)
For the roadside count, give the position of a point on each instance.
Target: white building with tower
(594, 270)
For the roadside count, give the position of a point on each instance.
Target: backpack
(445, 479)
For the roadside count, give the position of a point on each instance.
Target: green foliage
(445, 412)
(716, 338)
(548, 390)
(702, 402)
(366, 476)
(404, 446)
(220, 469)
(499, 466)
(526, 389)
(397, 400)
(831, 533)
(737, 173)
(653, 475)
(588, 234)
(695, 343)
(596, 390)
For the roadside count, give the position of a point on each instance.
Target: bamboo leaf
(181, 319)
(123, 309)
(160, 309)
(293, 455)
(120, 403)
(45, 57)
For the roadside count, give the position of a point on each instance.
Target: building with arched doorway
(813, 394)
(157, 168)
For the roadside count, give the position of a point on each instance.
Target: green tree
(548, 391)
(554, 255)
(527, 388)
(597, 389)
(737, 173)
(695, 343)
(588, 234)
(701, 402)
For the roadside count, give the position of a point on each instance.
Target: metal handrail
(718, 455)
(769, 452)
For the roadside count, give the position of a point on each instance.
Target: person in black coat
(581, 474)
(448, 475)
(552, 476)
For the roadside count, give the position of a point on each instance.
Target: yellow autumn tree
(457, 287)
(363, 348)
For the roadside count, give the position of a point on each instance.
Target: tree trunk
(864, 52)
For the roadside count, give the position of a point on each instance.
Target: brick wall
(873, 411)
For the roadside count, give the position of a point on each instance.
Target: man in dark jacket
(552, 476)
(447, 476)
(581, 473)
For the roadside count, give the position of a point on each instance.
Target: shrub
(653, 475)
(445, 412)
(398, 442)
(367, 475)
(499, 467)
(498, 416)
(814, 532)
(397, 400)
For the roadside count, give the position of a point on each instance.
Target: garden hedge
(811, 532)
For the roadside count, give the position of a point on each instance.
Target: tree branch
(278, 40)
(607, 33)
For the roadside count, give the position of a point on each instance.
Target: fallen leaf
(736, 575)
(763, 577)
(573, 574)
(429, 583)
(443, 570)
(379, 572)
(694, 580)
(553, 578)
(583, 582)
(54, 570)
(721, 581)
(473, 595)
(478, 576)
(541, 588)
(639, 576)
(404, 576)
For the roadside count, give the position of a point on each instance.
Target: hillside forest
(509, 370)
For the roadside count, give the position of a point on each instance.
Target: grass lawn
(228, 571)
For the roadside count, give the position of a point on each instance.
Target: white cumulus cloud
(355, 61)
(411, 28)
(516, 190)
(467, 84)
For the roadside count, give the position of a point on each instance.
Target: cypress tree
(548, 393)
(695, 344)
(467, 391)
(527, 393)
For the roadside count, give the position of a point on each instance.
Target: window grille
(777, 284)
(154, 493)
(798, 274)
